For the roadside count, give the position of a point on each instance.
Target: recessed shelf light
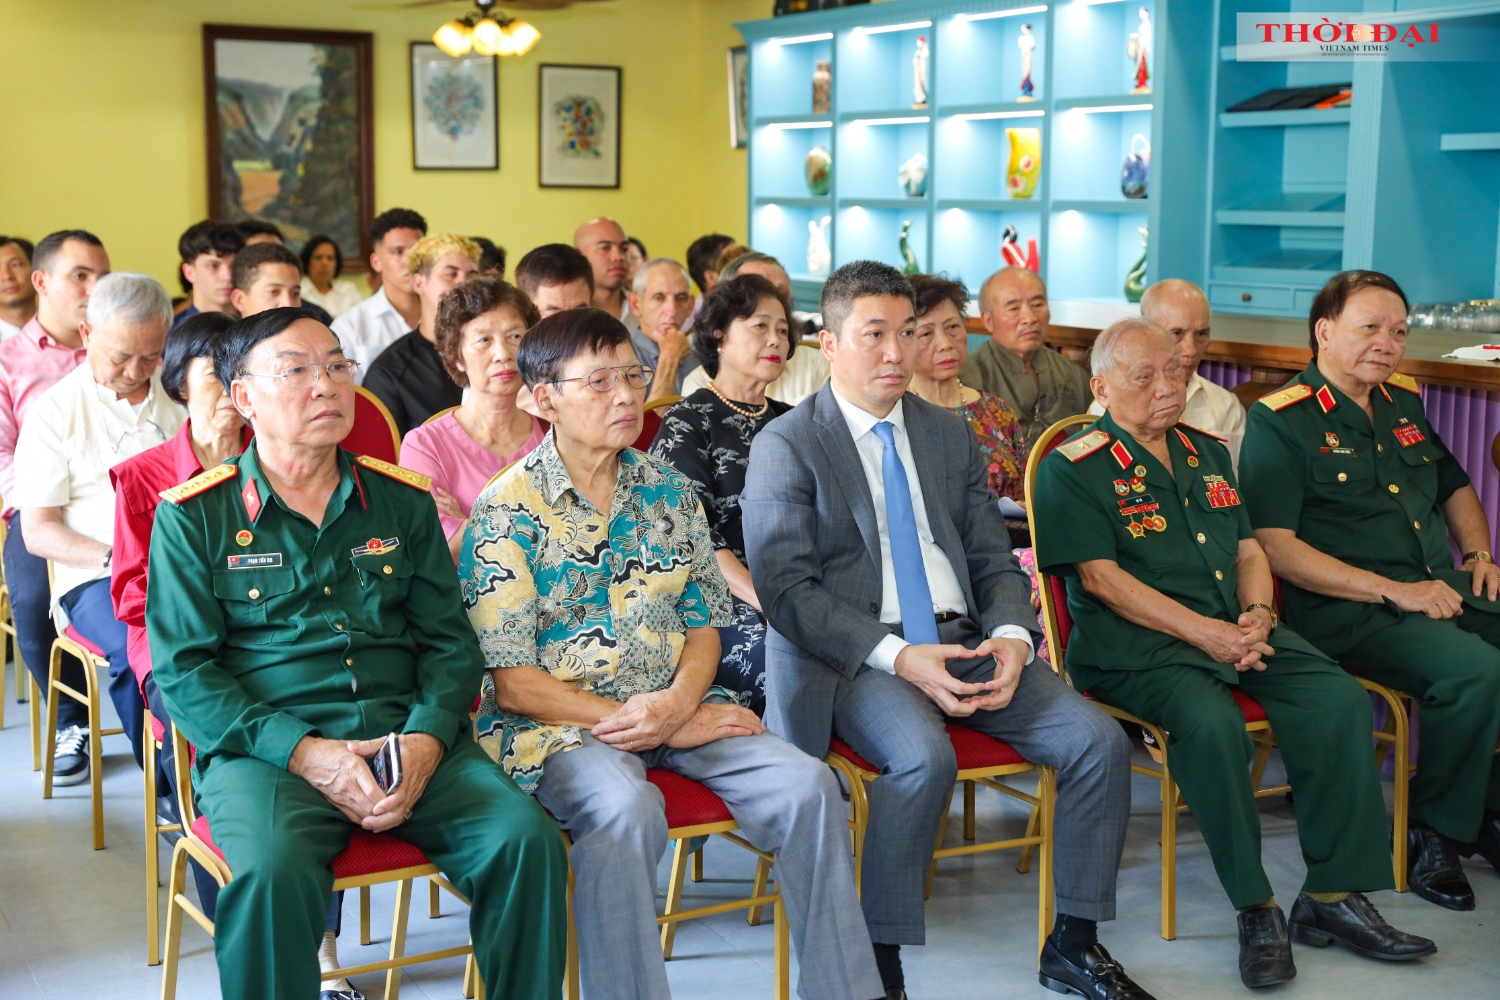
(1039, 8)
(821, 36)
(982, 116)
(791, 125)
(1109, 107)
(883, 28)
(1095, 3)
(914, 120)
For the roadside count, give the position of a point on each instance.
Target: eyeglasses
(605, 379)
(306, 376)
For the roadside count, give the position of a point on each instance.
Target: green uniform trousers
(1452, 668)
(1321, 718)
(280, 835)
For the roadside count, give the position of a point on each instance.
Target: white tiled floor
(72, 920)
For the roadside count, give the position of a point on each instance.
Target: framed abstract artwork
(739, 97)
(578, 126)
(289, 123)
(455, 110)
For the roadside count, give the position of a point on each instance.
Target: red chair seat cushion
(78, 637)
(158, 731)
(688, 802)
(973, 749)
(367, 854)
(1254, 710)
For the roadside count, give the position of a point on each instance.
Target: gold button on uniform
(1184, 501)
(1218, 574)
(386, 570)
(349, 662)
(1343, 477)
(254, 594)
(1202, 538)
(339, 628)
(1380, 448)
(327, 591)
(1394, 488)
(1426, 459)
(1417, 525)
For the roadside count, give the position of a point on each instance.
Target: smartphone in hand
(386, 764)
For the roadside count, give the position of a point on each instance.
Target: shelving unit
(1087, 232)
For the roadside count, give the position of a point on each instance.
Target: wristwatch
(109, 557)
(1478, 555)
(1275, 618)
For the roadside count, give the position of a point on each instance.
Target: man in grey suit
(895, 605)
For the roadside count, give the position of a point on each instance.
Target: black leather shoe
(1265, 948)
(1354, 924)
(350, 994)
(1433, 871)
(894, 993)
(1488, 844)
(1099, 978)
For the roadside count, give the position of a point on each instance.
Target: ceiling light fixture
(478, 32)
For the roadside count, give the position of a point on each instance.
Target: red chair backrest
(374, 431)
(1058, 587)
(650, 424)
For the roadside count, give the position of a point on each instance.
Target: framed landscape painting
(455, 110)
(739, 97)
(290, 132)
(578, 127)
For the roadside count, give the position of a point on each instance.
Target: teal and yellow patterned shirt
(601, 602)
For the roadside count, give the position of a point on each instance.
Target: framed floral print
(578, 126)
(455, 110)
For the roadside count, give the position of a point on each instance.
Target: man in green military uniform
(1354, 498)
(302, 606)
(1171, 601)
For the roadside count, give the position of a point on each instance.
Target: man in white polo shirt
(393, 311)
(106, 410)
(1180, 308)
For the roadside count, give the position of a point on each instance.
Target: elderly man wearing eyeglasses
(106, 410)
(303, 607)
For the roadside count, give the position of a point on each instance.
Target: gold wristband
(1275, 618)
(1478, 555)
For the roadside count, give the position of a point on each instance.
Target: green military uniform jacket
(1101, 495)
(1366, 495)
(1059, 389)
(265, 628)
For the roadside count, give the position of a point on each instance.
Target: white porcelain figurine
(1027, 44)
(919, 73)
(819, 256)
(1138, 49)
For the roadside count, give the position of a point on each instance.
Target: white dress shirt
(73, 434)
(8, 330)
(368, 329)
(805, 372)
(343, 296)
(1211, 408)
(947, 592)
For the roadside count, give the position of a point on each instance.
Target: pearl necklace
(752, 414)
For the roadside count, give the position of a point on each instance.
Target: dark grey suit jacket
(813, 550)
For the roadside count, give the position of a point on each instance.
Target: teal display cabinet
(1087, 232)
(1402, 181)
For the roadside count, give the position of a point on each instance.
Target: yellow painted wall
(103, 121)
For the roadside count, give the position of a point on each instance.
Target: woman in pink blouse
(478, 326)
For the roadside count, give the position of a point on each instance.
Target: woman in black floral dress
(742, 337)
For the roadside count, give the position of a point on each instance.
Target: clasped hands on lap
(340, 769)
(926, 668)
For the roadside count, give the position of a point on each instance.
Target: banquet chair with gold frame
(981, 761)
(370, 859)
(1057, 623)
(8, 643)
(69, 640)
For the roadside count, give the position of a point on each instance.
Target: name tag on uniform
(1220, 493)
(260, 561)
(1338, 451)
(1408, 434)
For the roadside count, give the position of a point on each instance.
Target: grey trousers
(898, 729)
(784, 801)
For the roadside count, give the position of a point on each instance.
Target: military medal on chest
(1408, 433)
(1220, 493)
(1146, 508)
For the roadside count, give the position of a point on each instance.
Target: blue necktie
(917, 621)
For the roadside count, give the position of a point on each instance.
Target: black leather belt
(946, 616)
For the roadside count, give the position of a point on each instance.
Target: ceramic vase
(909, 265)
(1025, 161)
(819, 170)
(822, 87)
(1135, 281)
